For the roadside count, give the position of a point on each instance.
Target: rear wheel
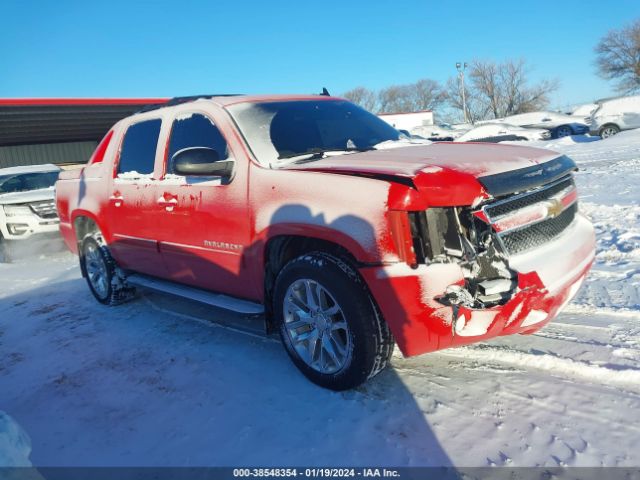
(609, 131)
(328, 322)
(101, 272)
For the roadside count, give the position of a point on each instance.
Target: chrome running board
(202, 296)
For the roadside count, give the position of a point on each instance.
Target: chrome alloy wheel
(96, 270)
(608, 132)
(316, 326)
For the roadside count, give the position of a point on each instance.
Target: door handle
(168, 203)
(116, 199)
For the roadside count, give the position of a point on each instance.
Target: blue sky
(146, 49)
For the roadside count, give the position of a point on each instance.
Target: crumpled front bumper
(548, 278)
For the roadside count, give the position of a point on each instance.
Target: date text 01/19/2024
(315, 472)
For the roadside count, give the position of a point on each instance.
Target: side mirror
(201, 161)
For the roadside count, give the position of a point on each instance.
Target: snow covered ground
(141, 385)
(15, 445)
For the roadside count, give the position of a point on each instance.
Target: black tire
(608, 130)
(371, 342)
(117, 291)
(563, 131)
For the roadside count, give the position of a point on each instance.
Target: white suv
(614, 115)
(27, 204)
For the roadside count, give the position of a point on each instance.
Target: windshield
(23, 182)
(277, 131)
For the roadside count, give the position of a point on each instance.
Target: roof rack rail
(180, 100)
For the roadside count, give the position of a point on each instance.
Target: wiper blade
(322, 151)
(302, 156)
(319, 153)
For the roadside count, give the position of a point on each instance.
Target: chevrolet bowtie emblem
(554, 208)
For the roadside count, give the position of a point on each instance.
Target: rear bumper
(548, 278)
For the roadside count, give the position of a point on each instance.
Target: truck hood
(500, 169)
(478, 160)
(26, 197)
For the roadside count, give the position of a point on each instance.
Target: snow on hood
(29, 196)
(471, 158)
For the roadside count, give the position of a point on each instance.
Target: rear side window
(138, 152)
(195, 130)
(101, 149)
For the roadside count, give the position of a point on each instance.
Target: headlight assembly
(16, 210)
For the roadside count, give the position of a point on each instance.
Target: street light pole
(461, 67)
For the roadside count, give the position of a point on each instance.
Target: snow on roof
(404, 113)
(29, 169)
(620, 97)
(227, 101)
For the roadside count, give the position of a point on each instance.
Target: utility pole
(461, 67)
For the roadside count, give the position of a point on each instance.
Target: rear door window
(138, 153)
(195, 130)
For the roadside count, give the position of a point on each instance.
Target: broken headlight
(445, 235)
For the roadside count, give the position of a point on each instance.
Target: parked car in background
(614, 115)
(27, 206)
(408, 120)
(501, 132)
(558, 124)
(442, 132)
(583, 112)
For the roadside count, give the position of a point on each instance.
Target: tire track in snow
(612, 342)
(627, 378)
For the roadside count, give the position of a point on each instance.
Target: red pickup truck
(342, 233)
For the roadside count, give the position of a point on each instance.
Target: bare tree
(618, 57)
(364, 97)
(396, 98)
(486, 89)
(518, 95)
(454, 97)
(496, 90)
(428, 94)
(425, 94)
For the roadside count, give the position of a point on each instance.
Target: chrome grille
(538, 233)
(531, 219)
(44, 209)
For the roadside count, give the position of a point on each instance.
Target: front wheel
(609, 131)
(328, 322)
